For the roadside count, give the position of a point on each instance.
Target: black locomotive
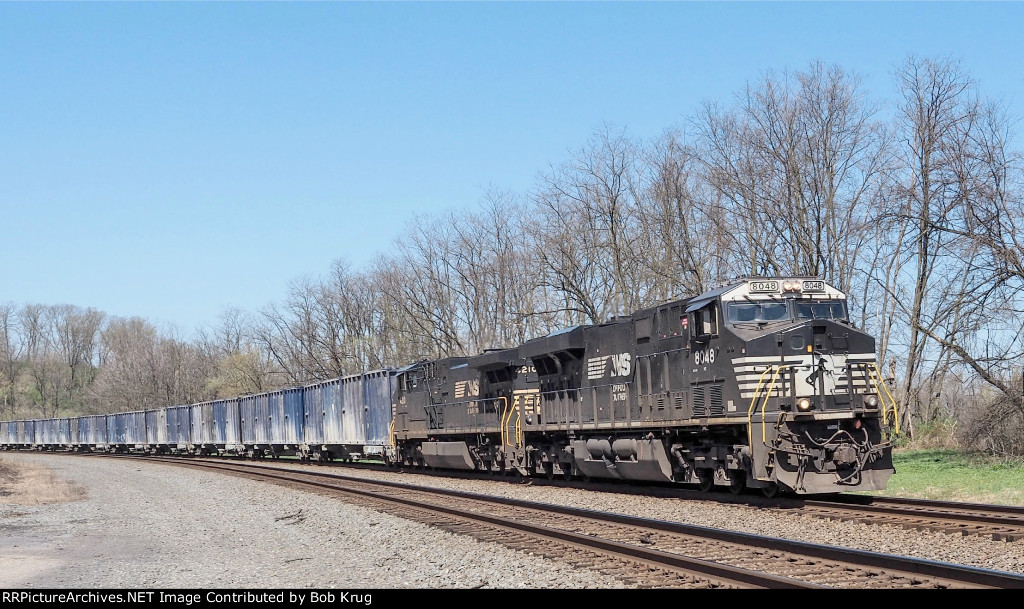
(761, 383)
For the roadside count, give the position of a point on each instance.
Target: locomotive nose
(828, 336)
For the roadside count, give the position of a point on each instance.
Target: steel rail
(725, 574)
(947, 571)
(948, 516)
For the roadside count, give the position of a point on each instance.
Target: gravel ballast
(160, 526)
(969, 550)
(157, 525)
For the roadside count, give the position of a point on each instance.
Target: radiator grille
(716, 407)
(700, 408)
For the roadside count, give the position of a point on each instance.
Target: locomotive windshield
(823, 309)
(765, 312)
(758, 311)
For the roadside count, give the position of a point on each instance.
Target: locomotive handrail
(869, 381)
(753, 403)
(879, 382)
(506, 419)
(519, 428)
(750, 411)
(767, 396)
(476, 421)
(873, 377)
(506, 415)
(592, 387)
(391, 432)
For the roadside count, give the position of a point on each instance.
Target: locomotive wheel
(737, 482)
(705, 480)
(770, 490)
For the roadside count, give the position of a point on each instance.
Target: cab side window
(705, 320)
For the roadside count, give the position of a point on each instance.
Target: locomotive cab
(814, 401)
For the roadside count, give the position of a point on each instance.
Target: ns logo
(465, 389)
(621, 365)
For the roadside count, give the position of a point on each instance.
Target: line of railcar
(759, 383)
(340, 418)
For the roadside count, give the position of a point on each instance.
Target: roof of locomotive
(496, 358)
(561, 340)
(741, 289)
(744, 288)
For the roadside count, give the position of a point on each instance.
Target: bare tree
(12, 353)
(936, 109)
(61, 354)
(685, 234)
(797, 166)
(587, 230)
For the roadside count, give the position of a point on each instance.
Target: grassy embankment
(953, 475)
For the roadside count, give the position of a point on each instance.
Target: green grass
(956, 476)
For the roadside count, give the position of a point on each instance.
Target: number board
(762, 287)
(814, 286)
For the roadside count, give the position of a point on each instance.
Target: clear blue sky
(170, 160)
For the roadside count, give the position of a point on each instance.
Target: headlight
(803, 404)
(871, 400)
(790, 286)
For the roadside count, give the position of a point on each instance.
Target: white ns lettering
(621, 364)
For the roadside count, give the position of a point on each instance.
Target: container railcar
(348, 417)
(216, 427)
(378, 396)
(179, 429)
(156, 431)
(92, 432)
(8, 434)
(272, 423)
(26, 433)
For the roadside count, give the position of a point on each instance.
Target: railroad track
(637, 551)
(1001, 523)
(998, 522)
